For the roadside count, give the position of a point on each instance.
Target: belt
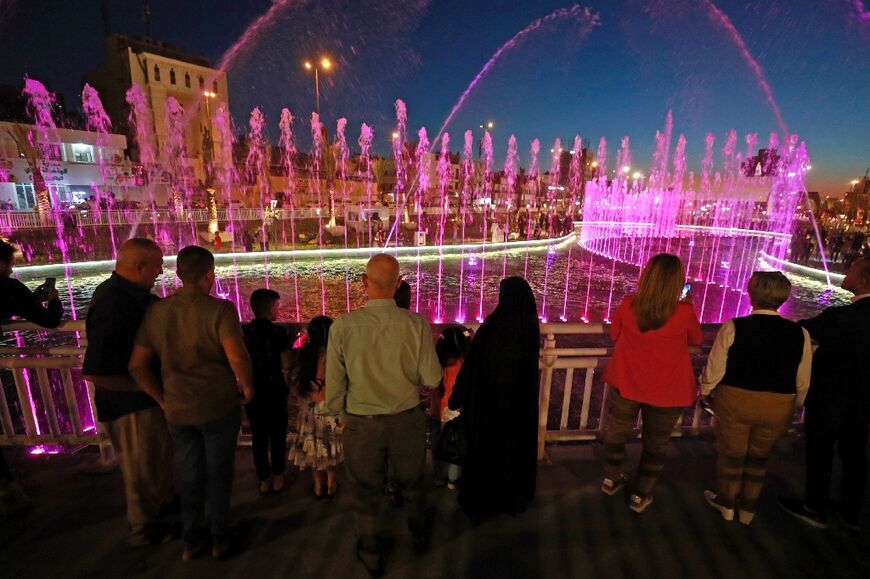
(372, 416)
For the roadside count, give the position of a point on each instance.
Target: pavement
(571, 530)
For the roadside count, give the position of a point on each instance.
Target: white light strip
(223, 258)
(811, 272)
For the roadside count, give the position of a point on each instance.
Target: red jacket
(654, 367)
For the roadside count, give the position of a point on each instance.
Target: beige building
(162, 71)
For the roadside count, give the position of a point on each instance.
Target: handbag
(452, 446)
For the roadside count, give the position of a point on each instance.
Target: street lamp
(324, 64)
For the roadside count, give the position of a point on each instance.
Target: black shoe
(377, 570)
(797, 509)
(421, 531)
(851, 522)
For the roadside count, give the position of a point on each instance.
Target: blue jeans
(208, 454)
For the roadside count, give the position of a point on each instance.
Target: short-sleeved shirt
(266, 342)
(186, 331)
(116, 310)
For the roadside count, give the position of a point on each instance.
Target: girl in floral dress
(316, 444)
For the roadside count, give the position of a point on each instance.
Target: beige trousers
(146, 458)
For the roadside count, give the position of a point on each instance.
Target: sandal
(611, 487)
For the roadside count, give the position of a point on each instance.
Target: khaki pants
(747, 426)
(658, 423)
(368, 442)
(145, 454)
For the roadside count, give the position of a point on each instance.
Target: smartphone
(49, 283)
(686, 289)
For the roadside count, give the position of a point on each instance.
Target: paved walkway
(572, 530)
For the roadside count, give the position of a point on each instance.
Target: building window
(156, 73)
(83, 153)
(187, 80)
(214, 87)
(201, 82)
(171, 76)
(25, 200)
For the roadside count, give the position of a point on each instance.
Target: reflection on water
(593, 285)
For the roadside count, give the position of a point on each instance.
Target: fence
(566, 412)
(20, 220)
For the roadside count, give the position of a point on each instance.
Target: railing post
(544, 402)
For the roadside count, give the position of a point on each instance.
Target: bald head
(857, 278)
(382, 276)
(139, 261)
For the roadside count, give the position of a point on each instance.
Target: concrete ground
(571, 530)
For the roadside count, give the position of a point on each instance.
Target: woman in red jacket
(650, 372)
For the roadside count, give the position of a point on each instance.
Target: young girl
(451, 348)
(316, 444)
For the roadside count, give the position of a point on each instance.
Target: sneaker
(745, 517)
(611, 487)
(727, 514)
(638, 504)
(797, 508)
(451, 486)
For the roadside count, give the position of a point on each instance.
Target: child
(317, 440)
(451, 348)
(269, 347)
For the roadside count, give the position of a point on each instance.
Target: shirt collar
(860, 297)
(764, 312)
(384, 303)
(129, 287)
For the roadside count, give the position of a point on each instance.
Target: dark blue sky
(645, 57)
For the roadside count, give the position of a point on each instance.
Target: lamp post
(207, 162)
(324, 64)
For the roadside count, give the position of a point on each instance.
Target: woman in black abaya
(497, 392)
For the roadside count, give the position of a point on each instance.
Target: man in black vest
(759, 366)
(838, 406)
(132, 419)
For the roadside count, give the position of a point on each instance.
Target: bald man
(132, 419)
(377, 359)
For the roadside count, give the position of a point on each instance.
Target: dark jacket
(841, 364)
(17, 300)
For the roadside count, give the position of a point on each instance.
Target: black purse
(452, 446)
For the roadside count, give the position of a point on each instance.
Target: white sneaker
(639, 504)
(727, 514)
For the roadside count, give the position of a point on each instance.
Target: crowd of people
(173, 376)
(839, 246)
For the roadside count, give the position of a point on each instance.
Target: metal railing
(60, 366)
(18, 220)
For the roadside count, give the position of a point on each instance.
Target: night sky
(643, 58)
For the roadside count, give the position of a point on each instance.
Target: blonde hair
(768, 289)
(658, 291)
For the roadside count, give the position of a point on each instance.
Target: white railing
(555, 362)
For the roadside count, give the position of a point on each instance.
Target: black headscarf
(497, 391)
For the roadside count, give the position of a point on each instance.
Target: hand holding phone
(684, 295)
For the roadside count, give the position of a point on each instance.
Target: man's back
(841, 366)
(186, 332)
(378, 357)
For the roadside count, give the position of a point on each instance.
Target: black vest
(765, 354)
